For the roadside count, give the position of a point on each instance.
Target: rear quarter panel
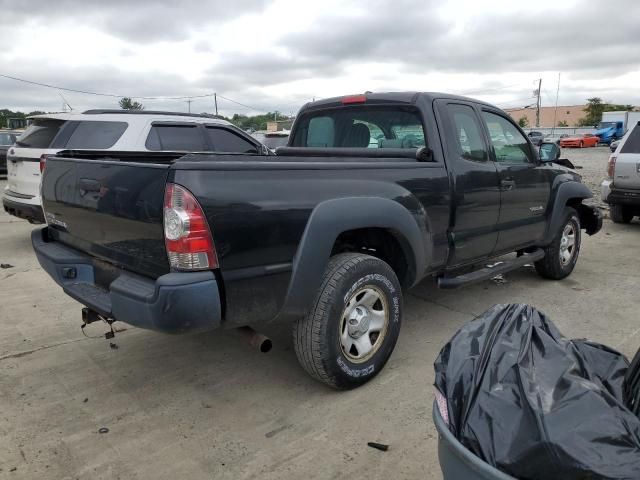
(258, 213)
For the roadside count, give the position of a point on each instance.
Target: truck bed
(257, 208)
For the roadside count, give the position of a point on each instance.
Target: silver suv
(622, 189)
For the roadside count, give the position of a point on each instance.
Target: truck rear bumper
(26, 211)
(173, 303)
(618, 196)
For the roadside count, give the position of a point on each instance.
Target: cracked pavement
(208, 406)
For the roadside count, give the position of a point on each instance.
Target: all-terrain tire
(319, 337)
(620, 214)
(556, 265)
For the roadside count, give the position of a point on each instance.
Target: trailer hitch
(90, 316)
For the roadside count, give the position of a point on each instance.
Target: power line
(101, 94)
(241, 104)
(491, 90)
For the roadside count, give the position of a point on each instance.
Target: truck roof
(409, 98)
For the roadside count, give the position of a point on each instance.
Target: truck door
(524, 184)
(475, 182)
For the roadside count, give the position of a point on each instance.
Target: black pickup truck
(373, 193)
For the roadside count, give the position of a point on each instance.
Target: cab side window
(508, 143)
(468, 134)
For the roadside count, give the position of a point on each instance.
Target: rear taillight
(186, 232)
(611, 166)
(43, 162)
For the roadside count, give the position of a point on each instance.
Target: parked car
(621, 190)
(613, 145)
(323, 236)
(7, 138)
(108, 130)
(272, 140)
(555, 138)
(579, 141)
(536, 137)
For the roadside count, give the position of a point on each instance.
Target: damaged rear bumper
(172, 303)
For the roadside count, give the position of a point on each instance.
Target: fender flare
(331, 218)
(565, 192)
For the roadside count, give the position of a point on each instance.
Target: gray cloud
(140, 20)
(406, 35)
(406, 32)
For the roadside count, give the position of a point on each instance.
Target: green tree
(563, 123)
(594, 109)
(127, 103)
(523, 122)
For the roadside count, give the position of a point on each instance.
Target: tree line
(594, 110)
(246, 122)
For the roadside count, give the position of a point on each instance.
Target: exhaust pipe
(255, 339)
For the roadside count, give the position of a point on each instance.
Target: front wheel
(562, 253)
(352, 328)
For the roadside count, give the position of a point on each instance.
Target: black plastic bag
(631, 387)
(534, 404)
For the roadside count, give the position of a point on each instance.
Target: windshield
(606, 125)
(7, 138)
(40, 133)
(361, 127)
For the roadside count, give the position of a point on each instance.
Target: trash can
(458, 463)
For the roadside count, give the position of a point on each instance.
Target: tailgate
(627, 171)
(109, 209)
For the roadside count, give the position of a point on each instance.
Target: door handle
(507, 184)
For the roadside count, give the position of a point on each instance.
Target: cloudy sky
(278, 54)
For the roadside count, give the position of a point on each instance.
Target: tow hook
(90, 316)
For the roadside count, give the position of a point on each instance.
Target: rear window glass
(187, 138)
(40, 133)
(361, 127)
(98, 135)
(7, 138)
(223, 140)
(632, 145)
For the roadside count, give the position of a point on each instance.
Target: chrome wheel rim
(567, 244)
(364, 324)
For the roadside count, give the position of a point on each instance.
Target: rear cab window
(361, 127)
(632, 144)
(40, 133)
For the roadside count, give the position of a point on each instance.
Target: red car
(583, 140)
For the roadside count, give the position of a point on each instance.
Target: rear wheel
(562, 253)
(349, 334)
(620, 214)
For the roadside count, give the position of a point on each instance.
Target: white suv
(622, 189)
(116, 130)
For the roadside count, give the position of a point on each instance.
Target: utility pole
(189, 103)
(538, 103)
(215, 100)
(555, 112)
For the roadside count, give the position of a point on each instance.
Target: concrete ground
(208, 406)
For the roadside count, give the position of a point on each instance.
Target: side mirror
(549, 152)
(424, 154)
